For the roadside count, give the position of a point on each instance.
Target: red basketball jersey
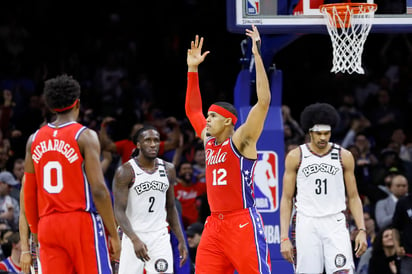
(61, 181)
(228, 177)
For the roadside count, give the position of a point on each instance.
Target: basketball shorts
(73, 242)
(233, 241)
(323, 242)
(159, 251)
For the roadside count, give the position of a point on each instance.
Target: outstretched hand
(194, 54)
(254, 35)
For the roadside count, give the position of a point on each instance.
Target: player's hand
(254, 35)
(114, 248)
(183, 253)
(194, 54)
(140, 249)
(360, 243)
(25, 262)
(286, 249)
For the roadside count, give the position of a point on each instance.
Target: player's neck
(148, 165)
(64, 118)
(319, 151)
(223, 136)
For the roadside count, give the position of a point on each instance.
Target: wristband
(26, 252)
(362, 229)
(284, 240)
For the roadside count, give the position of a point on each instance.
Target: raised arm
(172, 215)
(193, 103)
(105, 140)
(253, 127)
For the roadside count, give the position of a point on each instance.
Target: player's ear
(228, 122)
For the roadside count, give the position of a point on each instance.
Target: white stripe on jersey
(146, 204)
(320, 183)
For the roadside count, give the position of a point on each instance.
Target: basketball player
(64, 186)
(233, 238)
(321, 172)
(144, 205)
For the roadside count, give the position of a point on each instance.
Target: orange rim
(342, 11)
(355, 7)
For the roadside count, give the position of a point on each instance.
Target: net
(348, 26)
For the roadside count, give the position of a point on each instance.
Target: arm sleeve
(30, 201)
(193, 104)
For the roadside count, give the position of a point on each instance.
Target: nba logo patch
(253, 7)
(266, 181)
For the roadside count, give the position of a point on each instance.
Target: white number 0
(219, 177)
(47, 170)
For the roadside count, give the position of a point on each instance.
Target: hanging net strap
(348, 26)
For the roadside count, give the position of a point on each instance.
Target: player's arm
(286, 203)
(172, 215)
(193, 101)
(123, 178)
(25, 257)
(354, 201)
(30, 189)
(90, 148)
(250, 131)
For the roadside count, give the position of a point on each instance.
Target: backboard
(303, 16)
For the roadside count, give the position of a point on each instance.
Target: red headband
(224, 112)
(66, 108)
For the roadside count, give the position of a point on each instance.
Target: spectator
(402, 227)
(385, 208)
(292, 131)
(18, 172)
(12, 263)
(384, 259)
(405, 151)
(9, 209)
(199, 164)
(187, 192)
(194, 233)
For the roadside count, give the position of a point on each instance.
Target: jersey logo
(340, 260)
(153, 185)
(55, 133)
(315, 168)
(266, 179)
(161, 265)
(334, 156)
(243, 225)
(162, 173)
(307, 156)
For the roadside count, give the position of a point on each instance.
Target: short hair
(319, 113)
(228, 106)
(61, 92)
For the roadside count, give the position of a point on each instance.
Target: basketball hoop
(348, 26)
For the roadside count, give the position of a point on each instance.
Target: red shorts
(73, 242)
(233, 241)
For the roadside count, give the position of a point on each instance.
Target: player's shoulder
(294, 153)
(168, 165)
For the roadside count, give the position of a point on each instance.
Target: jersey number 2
(47, 177)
